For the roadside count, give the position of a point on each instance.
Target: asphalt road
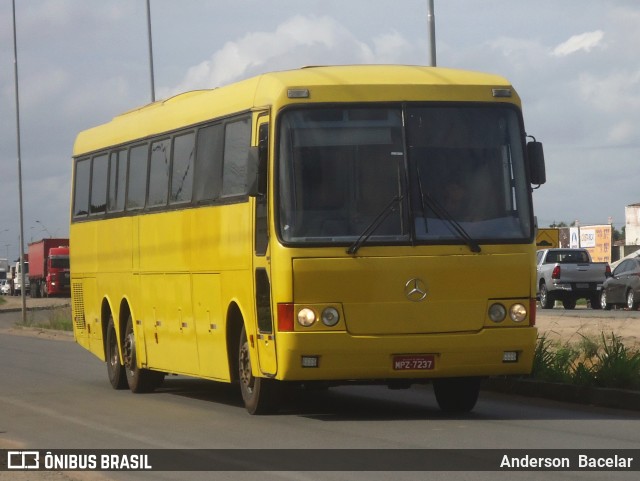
(55, 395)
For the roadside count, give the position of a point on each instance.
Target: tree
(557, 225)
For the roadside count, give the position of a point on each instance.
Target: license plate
(582, 286)
(414, 362)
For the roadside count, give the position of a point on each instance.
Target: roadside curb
(34, 308)
(605, 397)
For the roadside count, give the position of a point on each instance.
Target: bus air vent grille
(78, 306)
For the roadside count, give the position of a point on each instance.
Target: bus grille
(78, 306)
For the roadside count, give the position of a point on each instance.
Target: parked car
(5, 288)
(568, 275)
(623, 287)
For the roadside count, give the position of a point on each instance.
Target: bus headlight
(497, 312)
(330, 316)
(518, 313)
(306, 317)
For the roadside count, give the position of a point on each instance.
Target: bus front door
(266, 342)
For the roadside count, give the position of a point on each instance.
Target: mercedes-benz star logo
(416, 290)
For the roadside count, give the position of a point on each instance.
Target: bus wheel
(457, 394)
(260, 395)
(117, 376)
(140, 380)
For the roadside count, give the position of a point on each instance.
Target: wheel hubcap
(114, 353)
(129, 350)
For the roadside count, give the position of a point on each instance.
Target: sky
(574, 63)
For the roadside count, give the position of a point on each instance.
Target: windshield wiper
(443, 214)
(375, 223)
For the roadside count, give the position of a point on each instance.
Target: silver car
(623, 288)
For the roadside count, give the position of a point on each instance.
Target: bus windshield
(456, 173)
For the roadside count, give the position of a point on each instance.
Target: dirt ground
(570, 326)
(15, 302)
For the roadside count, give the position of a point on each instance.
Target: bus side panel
(210, 326)
(235, 250)
(86, 311)
(86, 315)
(113, 246)
(185, 256)
(167, 322)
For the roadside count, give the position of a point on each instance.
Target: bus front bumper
(339, 356)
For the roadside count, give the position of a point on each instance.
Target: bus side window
(207, 180)
(237, 141)
(81, 189)
(117, 180)
(182, 170)
(99, 185)
(136, 187)
(159, 173)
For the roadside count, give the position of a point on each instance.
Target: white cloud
(298, 41)
(622, 133)
(616, 93)
(586, 41)
(236, 58)
(42, 86)
(389, 46)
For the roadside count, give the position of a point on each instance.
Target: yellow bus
(323, 225)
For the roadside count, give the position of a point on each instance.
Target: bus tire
(457, 394)
(139, 380)
(260, 395)
(115, 369)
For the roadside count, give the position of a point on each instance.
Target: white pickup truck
(568, 275)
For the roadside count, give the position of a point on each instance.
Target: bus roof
(357, 83)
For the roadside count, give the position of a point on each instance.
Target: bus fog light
(497, 312)
(310, 361)
(306, 317)
(518, 313)
(510, 356)
(330, 316)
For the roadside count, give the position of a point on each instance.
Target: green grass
(600, 362)
(58, 319)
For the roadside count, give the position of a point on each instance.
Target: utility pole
(153, 88)
(21, 246)
(431, 24)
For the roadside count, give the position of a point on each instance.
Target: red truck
(49, 268)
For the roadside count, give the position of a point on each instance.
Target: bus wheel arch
(234, 327)
(260, 395)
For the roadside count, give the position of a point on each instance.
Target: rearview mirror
(537, 170)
